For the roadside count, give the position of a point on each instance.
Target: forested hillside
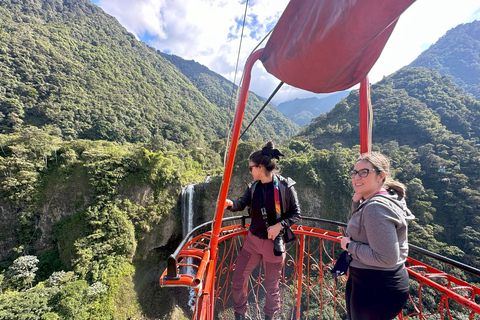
(456, 54)
(100, 132)
(221, 92)
(426, 117)
(70, 68)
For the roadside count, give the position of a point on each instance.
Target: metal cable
(261, 109)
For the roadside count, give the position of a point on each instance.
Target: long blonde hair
(382, 163)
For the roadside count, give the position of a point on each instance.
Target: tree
(23, 270)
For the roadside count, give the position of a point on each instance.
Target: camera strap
(276, 195)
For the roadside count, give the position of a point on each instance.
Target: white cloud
(208, 31)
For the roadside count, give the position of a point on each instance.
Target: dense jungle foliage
(68, 65)
(99, 133)
(426, 116)
(269, 123)
(87, 211)
(456, 54)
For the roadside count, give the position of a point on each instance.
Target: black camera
(279, 244)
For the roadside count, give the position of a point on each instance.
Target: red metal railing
(308, 291)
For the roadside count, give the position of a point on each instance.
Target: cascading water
(187, 211)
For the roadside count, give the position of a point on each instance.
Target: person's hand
(274, 230)
(357, 197)
(228, 203)
(343, 242)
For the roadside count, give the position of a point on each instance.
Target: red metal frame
(228, 169)
(306, 280)
(364, 97)
(307, 262)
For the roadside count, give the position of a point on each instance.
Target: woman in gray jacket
(377, 286)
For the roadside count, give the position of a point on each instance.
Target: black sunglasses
(251, 167)
(362, 173)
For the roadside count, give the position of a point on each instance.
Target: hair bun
(273, 153)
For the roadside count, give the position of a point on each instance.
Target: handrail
(425, 252)
(303, 276)
(446, 260)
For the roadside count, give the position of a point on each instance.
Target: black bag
(341, 266)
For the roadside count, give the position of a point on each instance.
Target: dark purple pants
(254, 250)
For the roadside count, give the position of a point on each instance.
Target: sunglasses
(250, 168)
(362, 173)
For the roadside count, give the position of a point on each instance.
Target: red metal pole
(300, 275)
(242, 101)
(364, 102)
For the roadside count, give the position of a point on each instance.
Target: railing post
(300, 275)
(365, 134)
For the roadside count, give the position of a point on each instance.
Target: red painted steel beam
(364, 102)
(237, 125)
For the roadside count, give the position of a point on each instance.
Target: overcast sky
(208, 31)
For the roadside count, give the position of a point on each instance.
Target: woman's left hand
(343, 242)
(274, 230)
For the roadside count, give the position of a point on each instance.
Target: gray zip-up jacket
(378, 232)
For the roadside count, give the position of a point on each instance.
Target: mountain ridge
(303, 110)
(456, 54)
(69, 67)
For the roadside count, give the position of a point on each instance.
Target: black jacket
(258, 195)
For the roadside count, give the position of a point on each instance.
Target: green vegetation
(99, 232)
(430, 130)
(456, 54)
(98, 134)
(68, 66)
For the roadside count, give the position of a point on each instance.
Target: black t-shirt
(263, 197)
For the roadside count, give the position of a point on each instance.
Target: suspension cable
(241, 80)
(261, 109)
(239, 49)
(232, 100)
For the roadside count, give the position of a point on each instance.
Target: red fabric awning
(330, 45)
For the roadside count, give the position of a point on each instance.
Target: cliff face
(62, 199)
(111, 213)
(310, 198)
(9, 231)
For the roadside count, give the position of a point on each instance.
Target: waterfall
(187, 212)
(188, 193)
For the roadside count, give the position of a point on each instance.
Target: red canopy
(330, 45)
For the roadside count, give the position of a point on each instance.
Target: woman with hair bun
(273, 208)
(377, 285)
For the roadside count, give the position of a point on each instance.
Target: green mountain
(268, 125)
(456, 54)
(414, 103)
(69, 67)
(417, 111)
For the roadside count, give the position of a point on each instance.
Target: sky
(209, 32)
